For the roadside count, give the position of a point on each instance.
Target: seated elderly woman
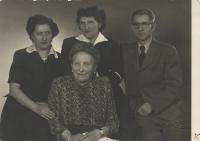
(83, 104)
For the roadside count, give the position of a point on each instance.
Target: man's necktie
(142, 55)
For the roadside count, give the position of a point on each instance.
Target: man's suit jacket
(158, 80)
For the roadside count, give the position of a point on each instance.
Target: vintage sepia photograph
(98, 70)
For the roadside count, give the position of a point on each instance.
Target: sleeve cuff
(115, 77)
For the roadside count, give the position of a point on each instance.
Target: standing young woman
(25, 115)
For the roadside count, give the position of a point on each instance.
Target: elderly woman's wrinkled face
(89, 27)
(83, 66)
(42, 36)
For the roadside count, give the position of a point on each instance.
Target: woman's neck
(83, 83)
(93, 39)
(43, 53)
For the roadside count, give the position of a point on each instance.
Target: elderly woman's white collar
(100, 38)
(32, 48)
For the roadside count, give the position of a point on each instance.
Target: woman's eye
(48, 33)
(86, 64)
(39, 33)
(75, 64)
(90, 22)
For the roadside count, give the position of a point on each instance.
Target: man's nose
(140, 27)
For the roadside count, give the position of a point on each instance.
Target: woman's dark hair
(38, 20)
(87, 48)
(93, 11)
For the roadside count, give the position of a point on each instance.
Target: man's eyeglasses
(144, 24)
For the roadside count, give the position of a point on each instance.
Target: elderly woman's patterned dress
(82, 108)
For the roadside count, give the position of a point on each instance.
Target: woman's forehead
(42, 27)
(83, 56)
(84, 18)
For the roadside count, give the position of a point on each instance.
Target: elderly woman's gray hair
(87, 48)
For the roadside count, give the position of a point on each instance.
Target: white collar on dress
(100, 38)
(32, 48)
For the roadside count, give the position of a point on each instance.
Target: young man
(153, 79)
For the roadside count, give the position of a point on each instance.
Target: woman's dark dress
(34, 76)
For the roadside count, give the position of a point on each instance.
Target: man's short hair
(147, 12)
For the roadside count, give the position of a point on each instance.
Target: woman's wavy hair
(38, 20)
(93, 11)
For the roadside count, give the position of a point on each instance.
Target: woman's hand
(93, 135)
(66, 135)
(43, 110)
(37, 107)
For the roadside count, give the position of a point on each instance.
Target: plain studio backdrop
(173, 26)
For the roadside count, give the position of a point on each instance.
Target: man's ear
(131, 27)
(154, 26)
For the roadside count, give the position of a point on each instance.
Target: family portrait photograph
(99, 70)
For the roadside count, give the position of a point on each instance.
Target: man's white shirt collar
(145, 44)
(100, 38)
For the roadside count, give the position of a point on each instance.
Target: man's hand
(145, 109)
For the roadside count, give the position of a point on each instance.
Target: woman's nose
(86, 26)
(44, 37)
(81, 68)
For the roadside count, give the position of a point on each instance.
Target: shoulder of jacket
(70, 38)
(163, 44)
(166, 47)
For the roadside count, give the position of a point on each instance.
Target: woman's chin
(83, 80)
